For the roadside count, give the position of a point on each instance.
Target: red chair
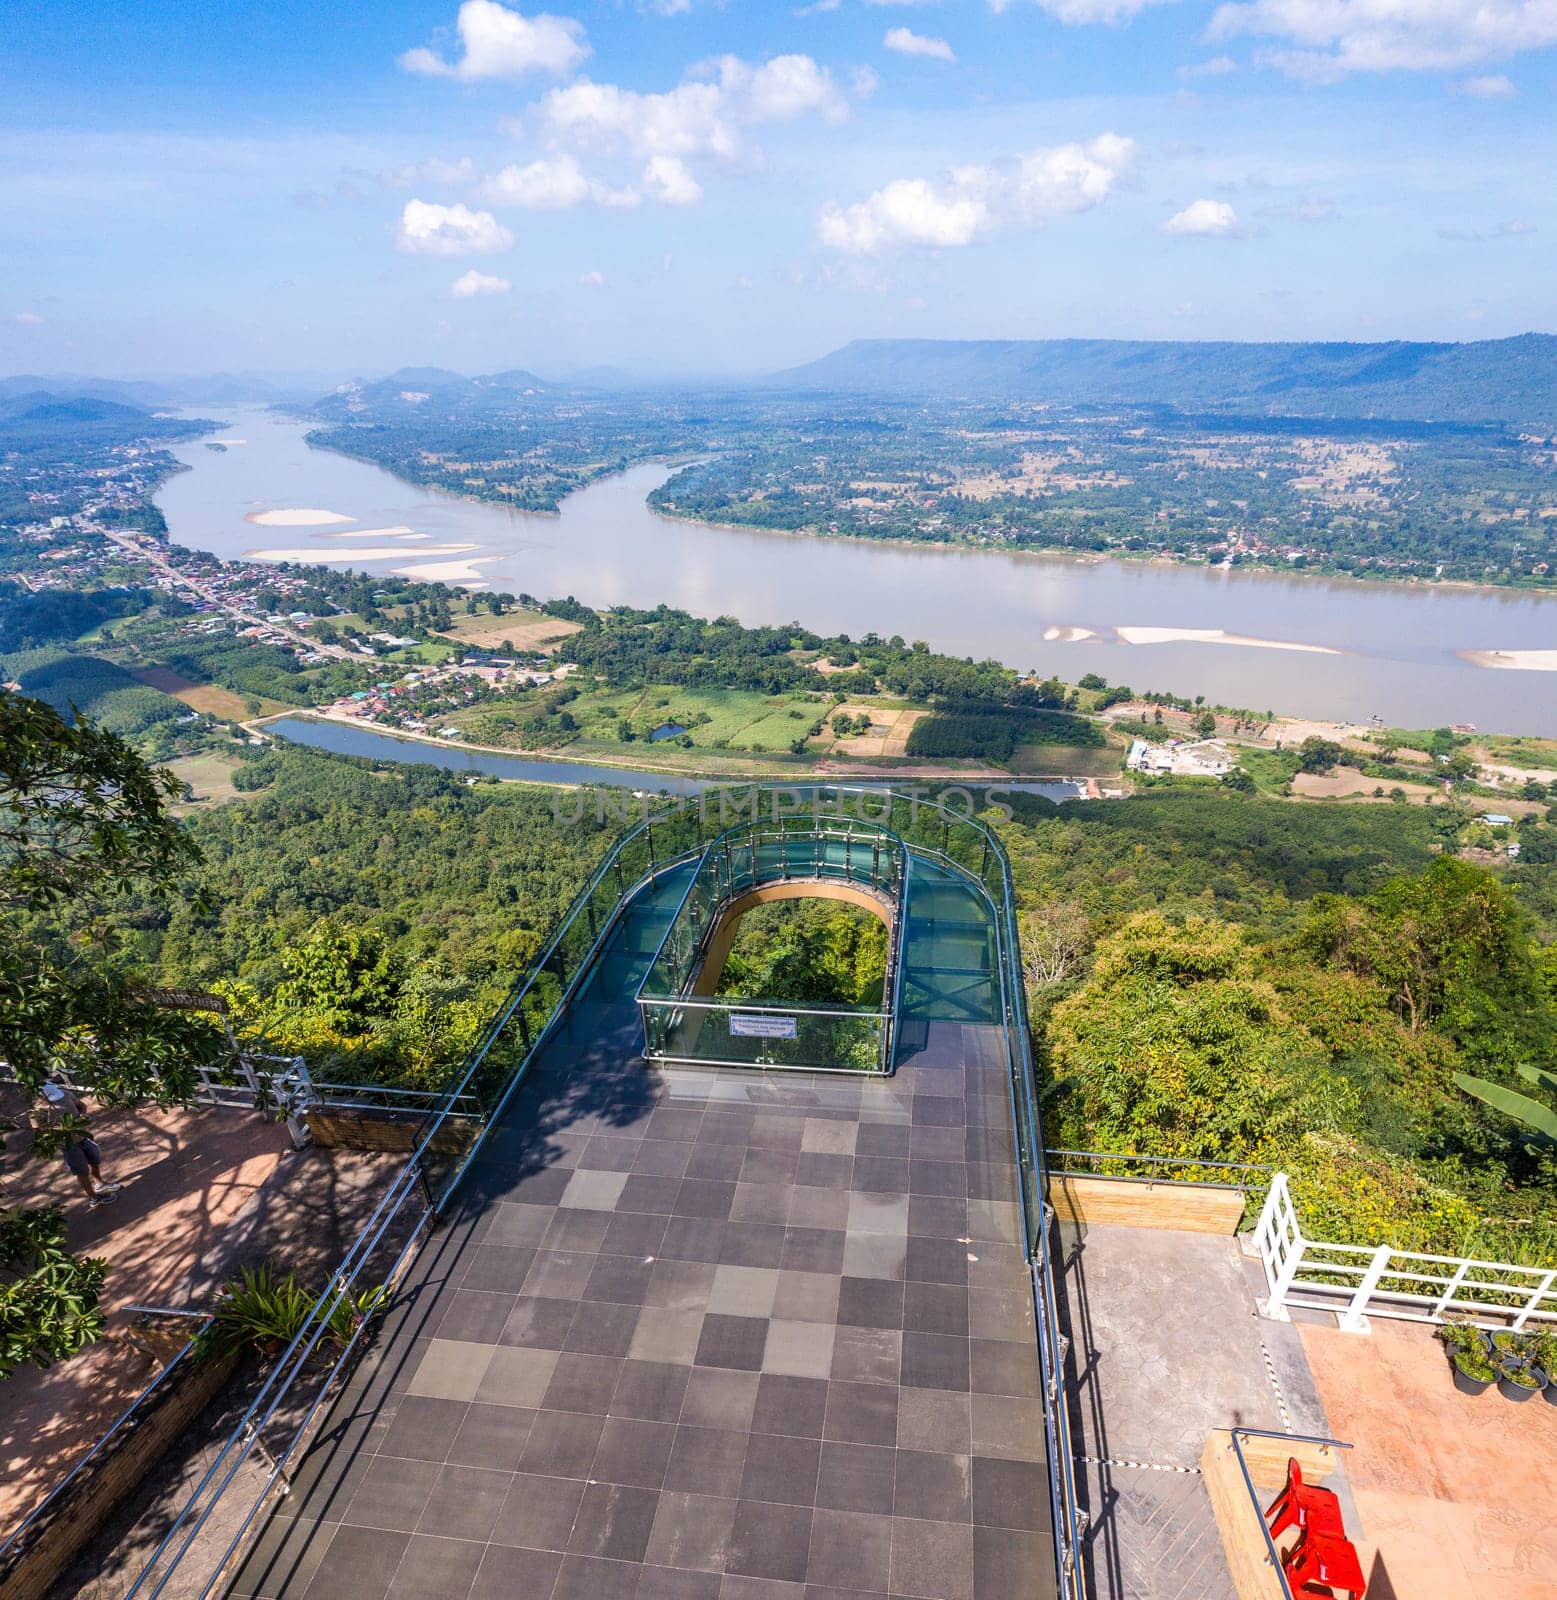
(1305, 1506)
(1328, 1561)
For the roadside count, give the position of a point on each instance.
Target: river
(348, 740)
(1383, 649)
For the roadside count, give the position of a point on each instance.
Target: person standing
(80, 1150)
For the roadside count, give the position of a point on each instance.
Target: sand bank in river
(303, 517)
(397, 532)
(1512, 660)
(377, 552)
(1217, 636)
(446, 571)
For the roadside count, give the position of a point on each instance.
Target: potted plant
(1544, 1348)
(1520, 1380)
(1469, 1359)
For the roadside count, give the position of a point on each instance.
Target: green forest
(1224, 978)
(820, 952)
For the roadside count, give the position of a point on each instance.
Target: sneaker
(109, 1190)
(100, 1200)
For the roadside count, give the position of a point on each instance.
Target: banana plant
(1540, 1119)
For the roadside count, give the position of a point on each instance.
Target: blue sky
(683, 186)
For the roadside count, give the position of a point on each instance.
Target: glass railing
(684, 1022)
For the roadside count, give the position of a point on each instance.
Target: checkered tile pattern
(700, 1334)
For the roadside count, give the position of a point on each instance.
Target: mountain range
(1491, 380)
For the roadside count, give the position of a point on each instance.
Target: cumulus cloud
(1330, 38)
(475, 283)
(971, 202)
(28, 319)
(667, 180)
(1492, 87)
(427, 229)
(552, 183)
(499, 43)
(908, 43)
(1205, 219)
(703, 115)
(593, 280)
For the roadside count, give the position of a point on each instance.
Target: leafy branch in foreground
(48, 1297)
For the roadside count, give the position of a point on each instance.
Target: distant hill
(125, 391)
(415, 389)
(1492, 380)
(41, 423)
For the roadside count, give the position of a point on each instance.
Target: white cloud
(908, 43)
(702, 115)
(1205, 219)
(427, 229)
(28, 319)
(593, 280)
(499, 43)
(975, 200)
(1335, 37)
(553, 183)
(1078, 13)
(1493, 87)
(475, 283)
(667, 180)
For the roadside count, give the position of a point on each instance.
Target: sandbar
(397, 532)
(1512, 660)
(445, 571)
(377, 552)
(1062, 633)
(1218, 636)
(303, 517)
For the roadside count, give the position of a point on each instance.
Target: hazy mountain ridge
(1495, 380)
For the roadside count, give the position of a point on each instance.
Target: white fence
(1356, 1281)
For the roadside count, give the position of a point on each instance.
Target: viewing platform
(691, 1331)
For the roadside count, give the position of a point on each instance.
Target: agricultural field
(210, 781)
(524, 630)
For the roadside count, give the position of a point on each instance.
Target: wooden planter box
(30, 1568)
(1188, 1207)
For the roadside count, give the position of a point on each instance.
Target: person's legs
(94, 1159)
(76, 1160)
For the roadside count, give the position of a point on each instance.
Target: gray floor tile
(850, 1550)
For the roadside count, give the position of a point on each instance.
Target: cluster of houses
(415, 702)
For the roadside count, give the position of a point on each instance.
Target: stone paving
(1167, 1345)
(702, 1335)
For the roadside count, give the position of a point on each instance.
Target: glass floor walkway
(707, 1334)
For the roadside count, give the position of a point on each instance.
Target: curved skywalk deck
(708, 1334)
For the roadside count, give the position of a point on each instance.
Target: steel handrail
(1248, 1482)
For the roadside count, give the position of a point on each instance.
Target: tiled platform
(701, 1336)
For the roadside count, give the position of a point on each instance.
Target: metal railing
(1161, 1169)
(1358, 1281)
(1272, 1554)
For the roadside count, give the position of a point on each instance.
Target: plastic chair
(1303, 1506)
(1328, 1561)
